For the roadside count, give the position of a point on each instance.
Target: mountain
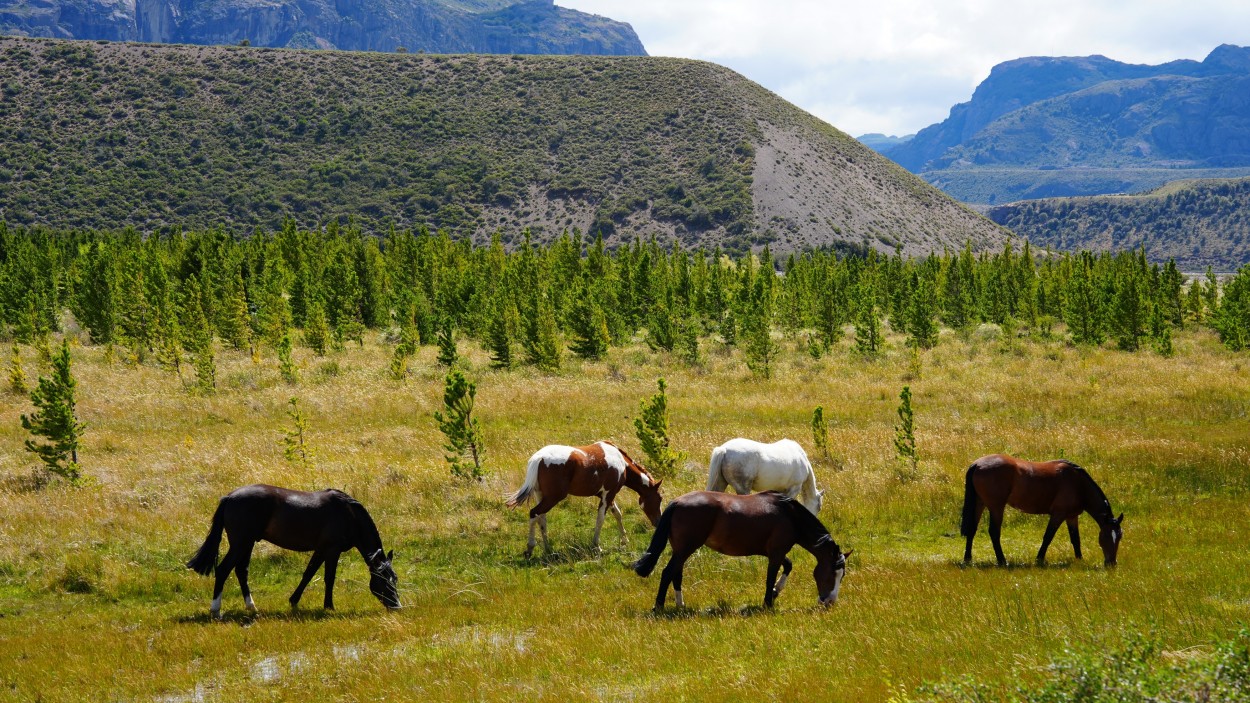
(1199, 223)
(881, 142)
(433, 26)
(113, 135)
(1077, 115)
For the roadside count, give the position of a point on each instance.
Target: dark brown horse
(326, 523)
(600, 469)
(1059, 489)
(762, 524)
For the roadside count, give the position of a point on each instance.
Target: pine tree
(1083, 313)
(589, 326)
(867, 322)
(316, 328)
(198, 338)
(542, 347)
(922, 329)
(17, 376)
(503, 325)
(447, 354)
(687, 346)
(55, 419)
(905, 437)
(651, 427)
(286, 365)
(820, 433)
(758, 347)
(1130, 315)
(294, 443)
(464, 435)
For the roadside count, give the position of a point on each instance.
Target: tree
(464, 436)
(447, 354)
(294, 445)
(502, 330)
(651, 428)
(1083, 312)
(17, 376)
(820, 433)
(316, 328)
(905, 436)
(867, 322)
(55, 419)
(286, 365)
(198, 338)
(1129, 313)
(590, 328)
(542, 347)
(922, 329)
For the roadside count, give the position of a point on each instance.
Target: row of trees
(170, 297)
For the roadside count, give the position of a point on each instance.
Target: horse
(751, 466)
(601, 469)
(326, 523)
(1059, 488)
(763, 524)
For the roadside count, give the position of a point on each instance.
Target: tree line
(174, 296)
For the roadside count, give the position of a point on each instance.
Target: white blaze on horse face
(837, 586)
(613, 457)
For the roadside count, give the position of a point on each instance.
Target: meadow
(95, 603)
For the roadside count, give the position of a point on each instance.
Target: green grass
(95, 603)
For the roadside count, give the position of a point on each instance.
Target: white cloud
(896, 66)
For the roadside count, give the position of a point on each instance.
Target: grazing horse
(751, 466)
(1060, 489)
(600, 469)
(764, 524)
(326, 523)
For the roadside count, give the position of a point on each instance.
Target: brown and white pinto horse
(1059, 488)
(762, 524)
(600, 469)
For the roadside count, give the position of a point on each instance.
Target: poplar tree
(55, 419)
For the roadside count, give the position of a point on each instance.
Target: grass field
(95, 603)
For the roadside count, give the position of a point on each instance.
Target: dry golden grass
(95, 603)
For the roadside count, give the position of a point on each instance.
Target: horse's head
(816, 503)
(1109, 539)
(383, 582)
(830, 568)
(649, 498)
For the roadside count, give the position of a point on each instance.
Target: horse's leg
(973, 533)
(538, 516)
(996, 528)
(770, 582)
(620, 522)
(1051, 528)
(786, 566)
(332, 567)
(672, 574)
(313, 564)
(240, 570)
(223, 572)
(603, 512)
(1074, 534)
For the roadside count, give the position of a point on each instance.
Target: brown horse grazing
(1060, 489)
(326, 523)
(762, 524)
(600, 469)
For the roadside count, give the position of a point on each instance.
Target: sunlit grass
(95, 602)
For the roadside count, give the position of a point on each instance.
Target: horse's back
(736, 525)
(289, 518)
(1029, 486)
(581, 471)
(779, 466)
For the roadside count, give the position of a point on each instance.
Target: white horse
(751, 466)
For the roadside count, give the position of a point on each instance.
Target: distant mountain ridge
(434, 26)
(1198, 223)
(1078, 115)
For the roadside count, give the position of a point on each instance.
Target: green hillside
(1199, 223)
(99, 135)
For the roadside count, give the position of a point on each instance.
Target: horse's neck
(809, 484)
(368, 539)
(634, 480)
(1095, 501)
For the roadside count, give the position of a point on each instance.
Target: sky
(896, 66)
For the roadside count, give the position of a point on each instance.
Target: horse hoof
(215, 614)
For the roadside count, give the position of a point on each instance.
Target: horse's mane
(365, 525)
(811, 529)
(1098, 492)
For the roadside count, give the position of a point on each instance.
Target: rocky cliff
(433, 26)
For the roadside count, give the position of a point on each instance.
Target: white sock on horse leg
(680, 602)
(781, 584)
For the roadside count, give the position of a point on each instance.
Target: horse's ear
(1120, 520)
(658, 482)
(391, 556)
(848, 553)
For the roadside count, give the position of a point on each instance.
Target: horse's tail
(645, 565)
(968, 524)
(715, 479)
(529, 489)
(205, 559)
